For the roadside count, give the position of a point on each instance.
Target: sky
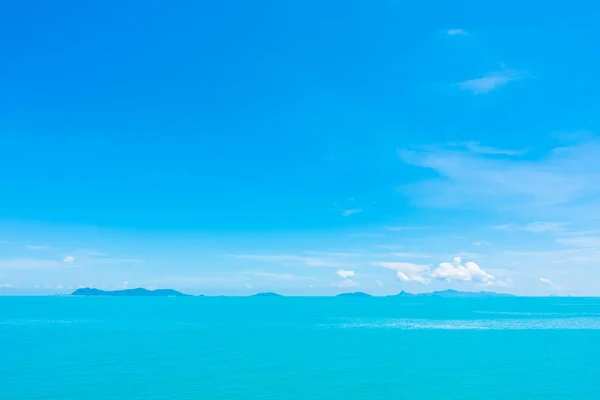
(306, 148)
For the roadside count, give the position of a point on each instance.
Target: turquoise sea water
(299, 348)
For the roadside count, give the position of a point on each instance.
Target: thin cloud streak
(489, 82)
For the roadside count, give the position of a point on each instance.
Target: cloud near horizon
(454, 271)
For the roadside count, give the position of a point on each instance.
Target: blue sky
(303, 148)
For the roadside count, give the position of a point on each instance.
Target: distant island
(138, 292)
(267, 294)
(443, 293)
(403, 294)
(141, 292)
(457, 293)
(454, 293)
(354, 294)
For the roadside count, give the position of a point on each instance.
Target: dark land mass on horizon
(453, 293)
(267, 294)
(354, 294)
(138, 292)
(141, 292)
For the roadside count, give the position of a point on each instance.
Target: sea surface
(88, 348)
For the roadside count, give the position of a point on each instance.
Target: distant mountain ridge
(457, 293)
(141, 292)
(442, 293)
(354, 294)
(138, 292)
(267, 294)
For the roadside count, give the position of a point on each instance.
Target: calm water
(299, 348)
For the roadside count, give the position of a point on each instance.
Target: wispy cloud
(552, 285)
(457, 32)
(343, 254)
(108, 260)
(69, 259)
(547, 281)
(28, 263)
(561, 177)
(35, 247)
(291, 259)
(90, 253)
(535, 227)
(390, 246)
(349, 212)
(412, 255)
(481, 243)
(581, 242)
(489, 82)
(476, 147)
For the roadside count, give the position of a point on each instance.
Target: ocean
(89, 348)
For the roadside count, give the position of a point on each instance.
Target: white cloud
(5, 285)
(34, 247)
(291, 259)
(481, 243)
(451, 272)
(456, 271)
(457, 32)
(248, 286)
(69, 259)
(489, 82)
(379, 283)
(410, 278)
(342, 273)
(349, 212)
(347, 283)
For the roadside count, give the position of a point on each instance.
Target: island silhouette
(142, 292)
